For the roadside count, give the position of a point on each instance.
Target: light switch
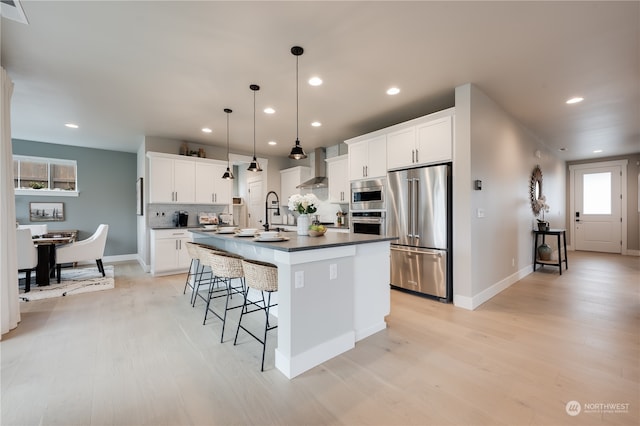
(480, 213)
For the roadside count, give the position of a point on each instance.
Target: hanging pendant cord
(254, 124)
(297, 107)
(227, 140)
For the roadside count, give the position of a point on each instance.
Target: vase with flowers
(304, 205)
(543, 225)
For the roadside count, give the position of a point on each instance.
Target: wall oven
(368, 222)
(367, 195)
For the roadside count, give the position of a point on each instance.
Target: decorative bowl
(313, 233)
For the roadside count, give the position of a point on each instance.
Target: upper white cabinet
(290, 178)
(210, 187)
(427, 141)
(171, 180)
(337, 173)
(176, 179)
(435, 140)
(367, 157)
(401, 148)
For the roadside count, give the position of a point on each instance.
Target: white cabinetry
(176, 179)
(168, 251)
(425, 141)
(210, 187)
(171, 180)
(337, 173)
(434, 140)
(367, 157)
(289, 179)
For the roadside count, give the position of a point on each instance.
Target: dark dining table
(47, 256)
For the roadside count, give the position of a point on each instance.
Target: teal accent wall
(107, 187)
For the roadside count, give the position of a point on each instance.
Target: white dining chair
(90, 249)
(27, 255)
(35, 229)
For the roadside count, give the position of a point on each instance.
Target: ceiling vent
(319, 180)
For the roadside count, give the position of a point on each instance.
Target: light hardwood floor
(139, 355)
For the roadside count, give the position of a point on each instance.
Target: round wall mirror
(535, 189)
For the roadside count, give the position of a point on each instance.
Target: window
(597, 193)
(44, 176)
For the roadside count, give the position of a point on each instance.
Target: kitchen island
(332, 291)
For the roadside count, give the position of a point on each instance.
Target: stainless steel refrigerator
(419, 214)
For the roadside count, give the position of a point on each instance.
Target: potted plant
(543, 225)
(304, 205)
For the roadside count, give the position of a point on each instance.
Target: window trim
(47, 192)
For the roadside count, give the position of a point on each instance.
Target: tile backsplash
(162, 215)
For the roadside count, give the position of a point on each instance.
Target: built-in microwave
(368, 222)
(368, 195)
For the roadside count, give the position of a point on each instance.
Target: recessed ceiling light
(72, 126)
(269, 110)
(316, 124)
(315, 81)
(575, 100)
(393, 91)
(206, 130)
(272, 143)
(597, 151)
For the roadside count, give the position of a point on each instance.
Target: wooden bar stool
(263, 277)
(225, 268)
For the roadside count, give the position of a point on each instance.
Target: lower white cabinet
(169, 251)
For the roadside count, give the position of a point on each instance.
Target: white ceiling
(123, 70)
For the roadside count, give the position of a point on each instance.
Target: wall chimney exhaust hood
(319, 180)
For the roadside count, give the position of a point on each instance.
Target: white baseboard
(472, 303)
(112, 259)
(633, 252)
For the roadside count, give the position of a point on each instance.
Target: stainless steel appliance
(368, 222)
(419, 214)
(368, 195)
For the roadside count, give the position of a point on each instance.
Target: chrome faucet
(267, 208)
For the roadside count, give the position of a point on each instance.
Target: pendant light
(254, 166)
(227, 174)
(297, 153)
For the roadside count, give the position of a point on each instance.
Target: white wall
(494, 251)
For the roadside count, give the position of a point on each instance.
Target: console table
(560, 234)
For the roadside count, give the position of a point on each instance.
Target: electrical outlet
(333, 271)
(299, 279)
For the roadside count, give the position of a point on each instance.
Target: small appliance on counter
(180, 218)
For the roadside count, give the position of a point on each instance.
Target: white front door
(598, 208)
(256, 204)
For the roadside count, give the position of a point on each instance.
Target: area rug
(73, 281)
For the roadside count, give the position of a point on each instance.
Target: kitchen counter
(297, 242)
(332, 291)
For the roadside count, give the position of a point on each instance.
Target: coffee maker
(180, 218)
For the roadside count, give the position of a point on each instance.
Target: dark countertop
(297, 242)
(179, 227)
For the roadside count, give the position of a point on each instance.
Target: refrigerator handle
(410, 209)
(416, 214)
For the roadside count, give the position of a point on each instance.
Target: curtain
(9, 302)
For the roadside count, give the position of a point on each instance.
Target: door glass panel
(596, 188)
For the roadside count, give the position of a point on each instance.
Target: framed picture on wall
(139, 198)
(46, 212)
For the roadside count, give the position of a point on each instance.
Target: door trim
(623, 183)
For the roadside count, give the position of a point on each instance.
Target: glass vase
(303, 224)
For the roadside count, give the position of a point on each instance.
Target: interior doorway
(250, 188)
(598, 206)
